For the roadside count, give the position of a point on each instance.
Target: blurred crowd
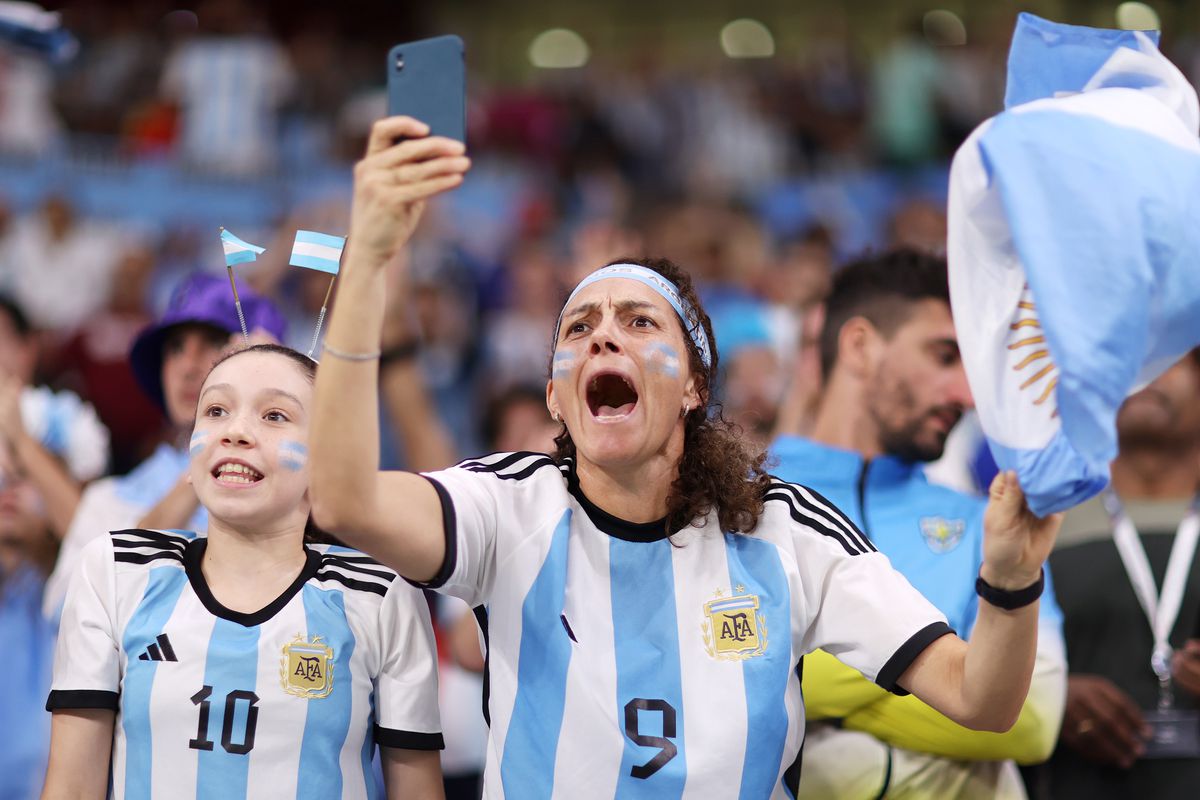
(571, 170)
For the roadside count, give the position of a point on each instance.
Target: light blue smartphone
(427, 81)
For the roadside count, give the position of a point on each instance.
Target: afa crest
(941, 534)
(306, 669)
(733, 628)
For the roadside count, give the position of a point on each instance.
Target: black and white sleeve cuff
(907, 653)
(408, 740)
(450, 531)
(62, 699)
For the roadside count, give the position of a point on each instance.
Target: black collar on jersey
(615, 526)
(192, 556)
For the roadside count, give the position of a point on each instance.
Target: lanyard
(1162, 608)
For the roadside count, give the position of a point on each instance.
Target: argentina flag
(318, 251)
(238, 251)
(1074, 232)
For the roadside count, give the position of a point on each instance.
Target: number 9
(667, 749)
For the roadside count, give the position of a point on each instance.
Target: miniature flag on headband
(1073, 230)
(237, 251)
(318, 251)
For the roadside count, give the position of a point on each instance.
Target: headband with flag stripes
(667, 290)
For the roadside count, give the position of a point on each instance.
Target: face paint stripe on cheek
(563, 364)
(196, 444)
(292, 455)
(663, 358)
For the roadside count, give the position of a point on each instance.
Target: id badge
(1173, 734)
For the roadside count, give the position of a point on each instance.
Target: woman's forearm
(999, 663)
(345, 426)
(397, 517)
(982, 684)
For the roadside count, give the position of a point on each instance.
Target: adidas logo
(159, 652)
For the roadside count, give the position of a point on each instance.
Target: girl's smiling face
(249, 450)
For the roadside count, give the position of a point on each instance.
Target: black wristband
(1002, 598)
(405, 351)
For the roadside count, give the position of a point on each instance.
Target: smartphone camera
(399, 61)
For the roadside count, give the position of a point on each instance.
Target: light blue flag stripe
(1048, 58)
(231, 666)
(646, 645)
(163, 588)
(531, 744)
(239, 257)
(754, 566)
(315, 262)
(328, 720)
(323, 239)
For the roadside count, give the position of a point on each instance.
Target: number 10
(202, 742)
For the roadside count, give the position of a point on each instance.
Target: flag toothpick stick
(238, 252)
(321, 317)
(237, 302)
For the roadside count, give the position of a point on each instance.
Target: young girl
(247, 662)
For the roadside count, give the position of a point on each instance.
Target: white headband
(667, 290)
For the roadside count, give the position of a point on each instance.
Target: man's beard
(1148, 421)
(903, 442)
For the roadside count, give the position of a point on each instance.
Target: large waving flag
(1074, 249)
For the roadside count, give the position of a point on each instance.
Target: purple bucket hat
(199, 300)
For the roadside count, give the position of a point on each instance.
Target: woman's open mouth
(235, 474)
(611, 397)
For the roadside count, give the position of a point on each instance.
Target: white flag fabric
(1074, 249)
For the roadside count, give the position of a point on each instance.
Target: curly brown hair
(717, 470)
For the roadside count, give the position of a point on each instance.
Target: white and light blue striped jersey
(229, 89)
(623, 663)
(288, 701)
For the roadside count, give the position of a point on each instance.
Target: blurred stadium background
(757, 143)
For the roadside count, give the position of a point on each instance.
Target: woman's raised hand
(404, 166)
(1016, 542)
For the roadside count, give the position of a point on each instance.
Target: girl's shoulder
(142, 547)
(351, 569)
